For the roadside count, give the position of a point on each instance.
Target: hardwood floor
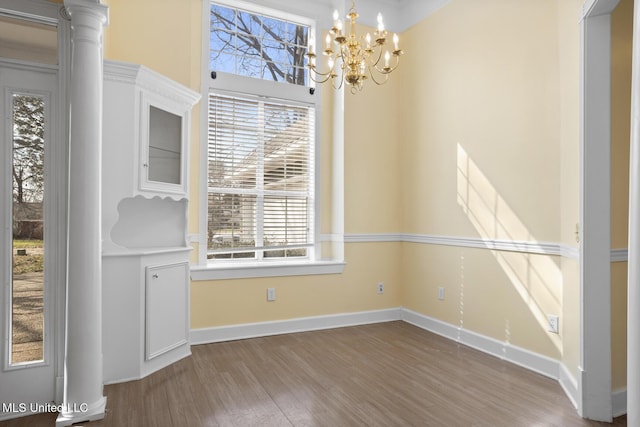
(390, 374)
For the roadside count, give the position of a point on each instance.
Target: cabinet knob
(145, 165)
(155, 276)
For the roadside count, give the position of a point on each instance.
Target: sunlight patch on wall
(536, 278)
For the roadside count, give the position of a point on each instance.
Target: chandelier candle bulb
(380, 23)
(395, 41)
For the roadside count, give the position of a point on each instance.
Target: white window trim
(225, 82)
(247, 270)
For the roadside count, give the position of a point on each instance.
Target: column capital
(94, 7)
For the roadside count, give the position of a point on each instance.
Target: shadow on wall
(535, 277)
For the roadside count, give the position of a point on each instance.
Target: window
(260, 178)
(250, 44)
(259, 181)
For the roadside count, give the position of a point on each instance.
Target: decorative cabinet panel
(167, 308)
(145, 171)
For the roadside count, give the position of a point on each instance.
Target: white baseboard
(570, 385)
(619, 402)
(303, 324)
(527, 359)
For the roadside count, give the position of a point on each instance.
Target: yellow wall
(164, 35)
(372, 150)
(481, 109)
(228, 302)
(483, 76)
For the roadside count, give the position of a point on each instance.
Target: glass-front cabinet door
(163, 148)
(165, 151)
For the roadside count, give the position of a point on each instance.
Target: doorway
(30, 238)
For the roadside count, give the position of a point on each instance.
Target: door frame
(39, 81)
(594, 380)
(54, 14)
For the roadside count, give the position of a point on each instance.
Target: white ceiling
(398, 15)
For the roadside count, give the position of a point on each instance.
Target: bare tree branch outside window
(258, 46)
(28, 148)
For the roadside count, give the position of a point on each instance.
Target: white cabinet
(145, 303)
(146, 123)
(145, 171)
(146, 127)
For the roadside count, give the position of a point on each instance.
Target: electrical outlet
(380, 288)
(441, 293)
(271, 294)
(554, 323)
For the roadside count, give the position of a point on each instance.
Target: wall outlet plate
(441, 293)
(271, 294)
(554, 323)
(380, 288)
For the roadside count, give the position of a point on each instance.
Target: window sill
(254, 270)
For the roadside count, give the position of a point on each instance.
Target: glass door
(27, 376)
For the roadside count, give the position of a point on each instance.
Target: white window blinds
(260, 178)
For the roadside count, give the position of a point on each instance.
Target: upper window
(256, 45)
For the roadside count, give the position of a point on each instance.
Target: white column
(633, 319)
(83, 383)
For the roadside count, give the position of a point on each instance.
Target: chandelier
(353, 59)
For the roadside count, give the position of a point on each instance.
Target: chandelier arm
(318, 73)
(337, 77)
(343, 65)
(339, 85)
(340, 80)
(388, 70)
(379, 83)
(326, 77)
(377, 61)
